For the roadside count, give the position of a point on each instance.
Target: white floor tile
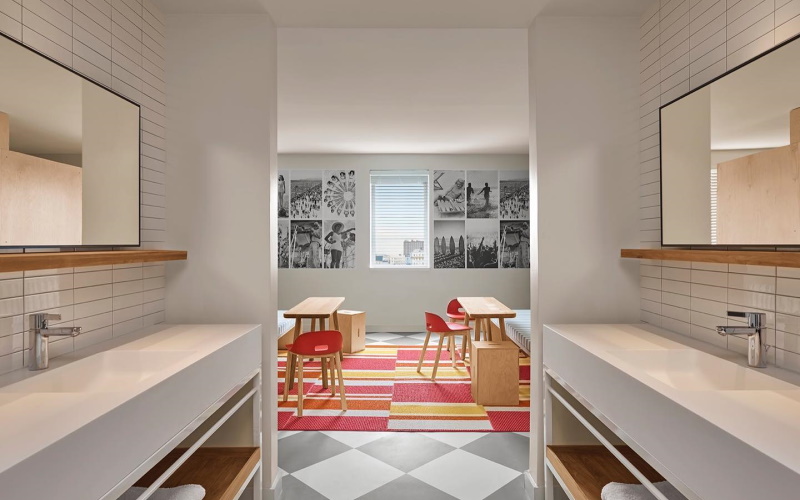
(286, 434)
(464, 475)
(348, 476)
(355, 439)
(383, 336)
(380, 343)
(455, 439)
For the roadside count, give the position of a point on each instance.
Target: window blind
(399, 218)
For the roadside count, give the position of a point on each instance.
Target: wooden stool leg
(322, 324)
(341, 383)
(464, 342)
(286, 377)
(438, 355)
(452, 342)
(422, 355)
(324, 363)
(313, 324)
(298, 329)
(332, 368)
(300, 386)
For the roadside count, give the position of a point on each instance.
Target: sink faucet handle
(39, 320)
(754, 319)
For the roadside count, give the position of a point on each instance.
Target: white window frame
(426, 218)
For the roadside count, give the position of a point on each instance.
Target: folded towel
(620, 491)
(188, 492)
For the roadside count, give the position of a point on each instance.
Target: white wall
(584, 157)
(395, 299)
(683, 45)
(122, 47)
(222, 146)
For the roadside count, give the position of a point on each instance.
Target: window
(399, 218)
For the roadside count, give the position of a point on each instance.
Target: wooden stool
(326, 345)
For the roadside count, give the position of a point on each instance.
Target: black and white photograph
(449, 194)
(340, 194)
(340, 244)
(482, 244)
(283, 194)
(306, 251)
(482, 194)
(515, 195)
(306, 191)
(515, 244)
(449, 244)
(283, 244)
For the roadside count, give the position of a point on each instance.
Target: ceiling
(402, 91)
(409, 13)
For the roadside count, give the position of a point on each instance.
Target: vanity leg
(478, 329)
(336, 320)
(286, 377)
(313, 325)
(322, 324)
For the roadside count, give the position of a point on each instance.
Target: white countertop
(759, 407)
(33, 419)
(712, 423)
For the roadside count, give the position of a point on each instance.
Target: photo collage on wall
(481, 219)
(316, 226)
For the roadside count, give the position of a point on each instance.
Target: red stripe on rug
(510, 421)
(432, 393)
(290, 422)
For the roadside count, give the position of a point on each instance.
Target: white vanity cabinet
(635, 404)
(171, 405)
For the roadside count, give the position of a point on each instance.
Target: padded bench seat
(518, 329)
(284, 325)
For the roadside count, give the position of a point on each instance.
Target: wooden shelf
(223, 472)
(10, 262)
(584, 470)
(746, 257)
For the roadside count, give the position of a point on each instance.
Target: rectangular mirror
(730, 170)
(69, 156)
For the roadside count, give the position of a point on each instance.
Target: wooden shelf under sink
(10, 262)
(746, 257)
(223, 472)
(584, 470)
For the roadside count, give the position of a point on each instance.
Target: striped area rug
(385, 393)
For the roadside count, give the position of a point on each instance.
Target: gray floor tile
(294, 489)
(515, 490)
(405, 341)
(307, 448)
(404, 488)
(506, 448)
(406, 451)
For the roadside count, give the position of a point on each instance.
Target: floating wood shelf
(223, 472)
(746, 257)
(10, 262)
(584, 470)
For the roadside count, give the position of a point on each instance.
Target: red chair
(455, 312)
(326, 345)
(436, 324)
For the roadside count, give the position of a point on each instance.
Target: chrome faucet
(39, 334)
(756, 347)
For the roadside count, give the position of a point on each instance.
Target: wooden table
(482, 310)
(318, 310)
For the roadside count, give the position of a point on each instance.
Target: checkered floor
(397, 338)
(402, 465)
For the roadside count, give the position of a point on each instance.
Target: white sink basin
(691, 370)
(109, 371)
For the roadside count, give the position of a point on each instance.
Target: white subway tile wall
(684, 44)
(121, 44)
